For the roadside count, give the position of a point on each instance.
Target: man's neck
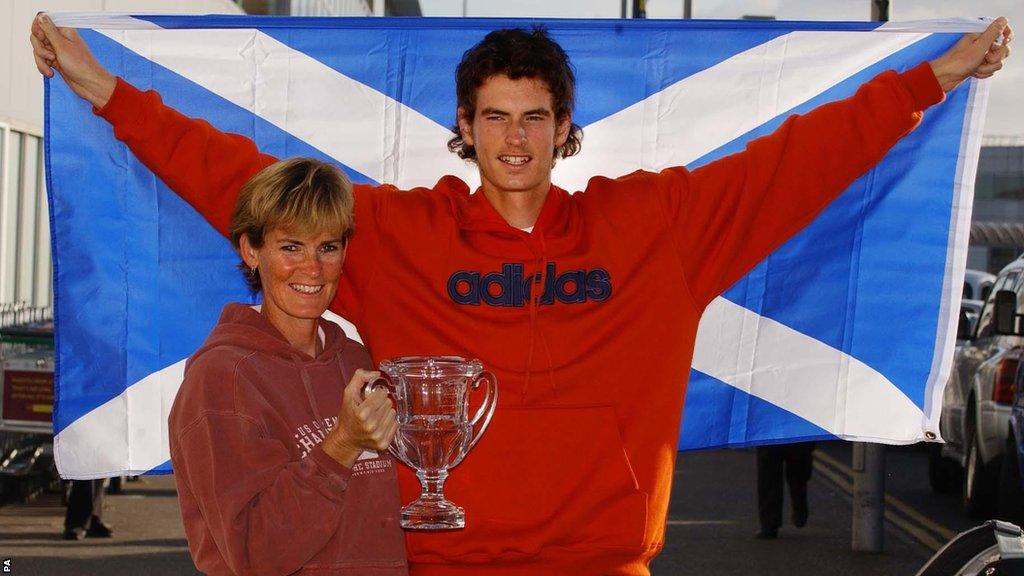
(519, 209)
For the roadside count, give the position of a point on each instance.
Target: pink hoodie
(258, 494)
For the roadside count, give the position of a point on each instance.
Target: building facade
(997, 230)
(332, 7)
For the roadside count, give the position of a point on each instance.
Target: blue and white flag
(845, 331)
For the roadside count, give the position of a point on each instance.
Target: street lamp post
(869, 459)
(868, 497)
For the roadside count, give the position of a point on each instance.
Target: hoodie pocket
(542, 478)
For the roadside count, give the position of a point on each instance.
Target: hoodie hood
(242, 325)
(557, 231)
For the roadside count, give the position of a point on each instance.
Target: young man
(586, 306)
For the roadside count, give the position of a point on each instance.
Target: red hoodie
(574, 473)
(258, 493)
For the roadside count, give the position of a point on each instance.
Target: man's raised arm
(735, 211)
(204, 166)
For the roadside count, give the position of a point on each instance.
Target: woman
(280, 466)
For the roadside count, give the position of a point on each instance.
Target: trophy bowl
(435, 431)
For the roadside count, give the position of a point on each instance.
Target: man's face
(515, 133)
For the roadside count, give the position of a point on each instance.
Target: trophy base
(433, 515)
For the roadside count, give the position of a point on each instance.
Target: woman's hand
(363, 423)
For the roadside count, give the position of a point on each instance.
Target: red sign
(28, 396)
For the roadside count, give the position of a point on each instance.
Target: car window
(972, 318)
(1018, 288)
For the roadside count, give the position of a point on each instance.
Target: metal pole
(868, 497)
(639, 9)
(688, 9)
(880, 10)
(869, 459)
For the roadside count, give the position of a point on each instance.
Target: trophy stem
(432, 511)
(432, 484)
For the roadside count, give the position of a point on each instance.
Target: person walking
(779, 464)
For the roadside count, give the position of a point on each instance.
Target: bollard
(868, 497)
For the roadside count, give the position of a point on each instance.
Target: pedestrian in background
(796, 459)
(84, 516)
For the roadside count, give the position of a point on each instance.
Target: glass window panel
(984, 186)
(3, 214)
(44, 269)
(27, 247)
(9, 212)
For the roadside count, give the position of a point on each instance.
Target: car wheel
(1011, 501)
(943, 473)
(977, 489)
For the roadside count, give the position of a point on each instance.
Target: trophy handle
(382, 381)
(486, 409)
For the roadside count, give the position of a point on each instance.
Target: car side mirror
(1006, 317)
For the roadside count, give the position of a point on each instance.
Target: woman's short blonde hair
(301, 195)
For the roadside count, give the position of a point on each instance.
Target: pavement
(148, 540)
(713, 518)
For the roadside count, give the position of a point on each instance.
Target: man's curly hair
(517, 53)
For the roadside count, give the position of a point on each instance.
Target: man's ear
(465, 126)
(247, 252)
(562, 130)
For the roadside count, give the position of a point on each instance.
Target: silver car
(976, 403)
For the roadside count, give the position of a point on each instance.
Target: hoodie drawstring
(535, 296)
(308, 385)
(543, 338)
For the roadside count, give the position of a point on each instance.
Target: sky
(1005, 115)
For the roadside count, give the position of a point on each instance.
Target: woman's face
(299, 273)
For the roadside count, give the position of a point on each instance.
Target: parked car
(977, 285)
(976, 403)
(945, 473)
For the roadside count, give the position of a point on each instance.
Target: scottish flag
(845, 331)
